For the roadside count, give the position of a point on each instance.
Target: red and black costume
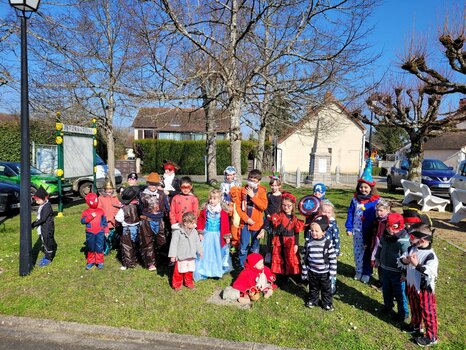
(285, 229)
(96, 228)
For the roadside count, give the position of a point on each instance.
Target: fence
(296, 179)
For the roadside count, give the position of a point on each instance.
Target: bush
(10, 138)
(189, 155)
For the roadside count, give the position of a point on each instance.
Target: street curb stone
(105, 337)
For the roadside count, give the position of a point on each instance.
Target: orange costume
(259, 202)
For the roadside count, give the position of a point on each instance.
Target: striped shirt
(319, 257)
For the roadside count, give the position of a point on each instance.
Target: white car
(459, 179)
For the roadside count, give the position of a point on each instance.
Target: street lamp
(24, 10)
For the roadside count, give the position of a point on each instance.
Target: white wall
(336, 131)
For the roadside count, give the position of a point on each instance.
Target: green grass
(142, 300)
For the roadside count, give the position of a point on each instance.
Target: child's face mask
(252, 184)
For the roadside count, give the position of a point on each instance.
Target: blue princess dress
(216, 260)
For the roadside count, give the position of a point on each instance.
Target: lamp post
(24, 9)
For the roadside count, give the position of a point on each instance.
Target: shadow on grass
(35, 251)
(355, 298)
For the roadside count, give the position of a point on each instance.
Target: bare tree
(86, 56)
(417, 113)
(435, 82)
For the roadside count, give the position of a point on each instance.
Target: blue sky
(395, 22)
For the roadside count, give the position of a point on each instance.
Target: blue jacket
(368, 215)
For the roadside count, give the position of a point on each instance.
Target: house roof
(177, 120)
(450, 140)
(314, 112)
(6, 118)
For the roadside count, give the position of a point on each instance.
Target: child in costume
(45, 226)
(251, 204)
(254, 279)
(183, 202)
(185, 247)
(421, 264)
(383, 208)
(128, 216)
(229, 181)
(274, 205)
(214, 230)
(170, 184)
(285, 228)
(153, 205)
(413, 216)
(319, 190)
(230, 189)
(109, 203)
(393, 244)
(96, 230)
(320, 263)
(332, 233)
(360, 223)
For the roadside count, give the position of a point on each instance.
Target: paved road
(29, 334)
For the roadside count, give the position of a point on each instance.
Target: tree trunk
(235, 134)
(260, 155)
(211, 136)
(416, 156)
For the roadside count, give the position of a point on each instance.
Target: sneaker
(100, 266)
(177, 289)
(357, 276)
(426, 341)
(365, 279)
(123, 268)
(311, 305)
(89, 266)
(412, 329)
(152, 267)
(44, 262)
(329, 308)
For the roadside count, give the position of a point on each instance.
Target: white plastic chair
(458, 198)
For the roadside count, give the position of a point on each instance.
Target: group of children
(199, 244)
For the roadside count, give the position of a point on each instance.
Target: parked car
(9, 197)
(459, 179)
(10, 172)
(83, 185)
(435, 174)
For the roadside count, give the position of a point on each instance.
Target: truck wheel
(390, 186)
(85, 188)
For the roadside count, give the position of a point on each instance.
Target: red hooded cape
(247, 279)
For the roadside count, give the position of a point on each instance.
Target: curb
(105, 337)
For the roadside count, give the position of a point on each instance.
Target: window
(140, 134)
(148, 134)
(463, 169)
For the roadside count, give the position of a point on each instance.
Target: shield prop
(309, 205)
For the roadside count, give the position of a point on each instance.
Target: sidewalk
(29, 333)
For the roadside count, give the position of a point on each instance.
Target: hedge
(189, 155)
(10, 138)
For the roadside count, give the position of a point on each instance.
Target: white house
(327, 139)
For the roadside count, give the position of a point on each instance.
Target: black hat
(322, 221)
(129, 194)
(133, 176)
(41, 193)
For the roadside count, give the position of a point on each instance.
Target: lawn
(143, 300)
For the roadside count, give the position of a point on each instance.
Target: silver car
(459, 179)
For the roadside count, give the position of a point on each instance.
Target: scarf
(168, 181)
(214, 208)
